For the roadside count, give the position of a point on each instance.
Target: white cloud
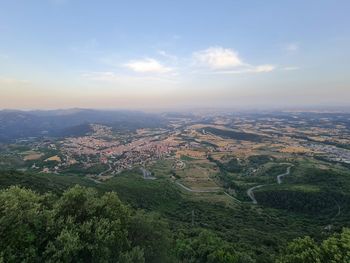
(221, 60)
(249, 69)
(217, 58)
(227, 61)
(148, 65)
(213, 60)
(264, 68)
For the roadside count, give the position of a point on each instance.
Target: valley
(256, 180)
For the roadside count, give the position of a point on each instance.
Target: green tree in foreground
(23, 224)
(151, 233)
(83, 226)
(335, 249)
(80, 226)
(88, 227)
(207, 247)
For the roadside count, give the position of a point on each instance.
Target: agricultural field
(252, 181)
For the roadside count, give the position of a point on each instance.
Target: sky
(174, 54)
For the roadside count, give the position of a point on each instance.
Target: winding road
(279, 177)
(250, 191)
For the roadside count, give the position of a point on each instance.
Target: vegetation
(207, 247)
(79, 226)
(257, 160)
(302, 205)
(244, 136)
(225, 168)
(335, 249)
(312, 191)
(83, 226)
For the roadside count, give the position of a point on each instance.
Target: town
(104, 152)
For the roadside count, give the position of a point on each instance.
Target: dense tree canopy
(335, 249)
(207, 247)
(80, 226)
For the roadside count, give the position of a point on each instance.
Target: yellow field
(54, 158)
(31, 156)
(295, 149)
(191, 153)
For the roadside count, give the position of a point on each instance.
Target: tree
(135, 255)
(151, 233)
(301, 250)
(335, 249)
(80, 226)
(88, 228)
(206, 247)
(23, 222)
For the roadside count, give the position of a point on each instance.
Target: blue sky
(149, 54)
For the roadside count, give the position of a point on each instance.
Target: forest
(83, 224)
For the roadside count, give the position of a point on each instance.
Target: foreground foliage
(335, 249)
(207, 247)
(79, 226)
(83, 226)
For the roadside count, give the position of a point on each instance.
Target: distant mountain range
(16, 124)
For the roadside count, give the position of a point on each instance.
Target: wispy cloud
(264, 68)
(213, 60)
(147, 65)
(248, 69)
(221, 60)
(217, 58)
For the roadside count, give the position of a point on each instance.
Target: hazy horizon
(195, 110)
(58, 54)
